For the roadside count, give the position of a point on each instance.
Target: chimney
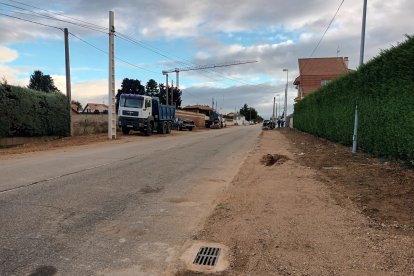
(346, 61)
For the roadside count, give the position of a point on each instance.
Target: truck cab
(134, 112)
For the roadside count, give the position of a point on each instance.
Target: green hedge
(26, 112)
(384, 91)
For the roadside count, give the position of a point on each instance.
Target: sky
(152, 36)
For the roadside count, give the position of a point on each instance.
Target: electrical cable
(62, 15)
(33, 13)
(126, 37)
(117, 58)
(34, 22)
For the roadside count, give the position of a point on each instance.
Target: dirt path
(314, 212)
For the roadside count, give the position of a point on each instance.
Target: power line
(188, 64)
(60, 14)
(90, 44)
(33, 13)
(117, 58)
(34, 22)
(327, 28)
(98, 28)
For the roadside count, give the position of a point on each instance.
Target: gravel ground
(305, 206)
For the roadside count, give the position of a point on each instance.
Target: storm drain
(207, 256)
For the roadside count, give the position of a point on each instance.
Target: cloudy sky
(156, 35)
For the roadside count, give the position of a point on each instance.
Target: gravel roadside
(303, 214)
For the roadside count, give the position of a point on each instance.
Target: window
(324, 82)
(147, 103)
(131, 102)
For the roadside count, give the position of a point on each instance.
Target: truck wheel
(164, 128)
(125, 130)
(149, 130)
(168, 128)
(190, 129)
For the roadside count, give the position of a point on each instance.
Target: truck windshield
(131, 102)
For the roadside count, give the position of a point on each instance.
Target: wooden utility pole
(68, 86)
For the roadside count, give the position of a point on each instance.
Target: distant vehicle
(144, 114)
(251, 123)
(215, 120)
(268, 124)
(183, 123)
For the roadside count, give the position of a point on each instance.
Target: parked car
(183, 123)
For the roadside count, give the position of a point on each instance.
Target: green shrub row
(26, 112)
(384, 91)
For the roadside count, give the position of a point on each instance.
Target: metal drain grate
(207, 256)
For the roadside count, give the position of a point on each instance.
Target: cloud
(274, 32)
(7, 54)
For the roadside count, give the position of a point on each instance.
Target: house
(240, 120)
(95, 108)
(74, 109)
(316, 72)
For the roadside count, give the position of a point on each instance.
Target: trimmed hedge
(384, 91)
(26, 112)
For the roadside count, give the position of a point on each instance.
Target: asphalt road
(122, 209)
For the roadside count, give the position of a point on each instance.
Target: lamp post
(286, 90)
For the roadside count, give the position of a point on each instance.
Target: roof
(74, 107)
(323, 66)
(199, 107)
(95, 106)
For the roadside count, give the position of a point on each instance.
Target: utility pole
(111, 82)
(286, 90)
(361, 61)
(273, 117)
(172, 92)
(68, 86)
(166, 86)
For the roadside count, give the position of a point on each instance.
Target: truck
(144, 114)
(215, 120)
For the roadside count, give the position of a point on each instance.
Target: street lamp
(286, 89)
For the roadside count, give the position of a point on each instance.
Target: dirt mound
(271, 159)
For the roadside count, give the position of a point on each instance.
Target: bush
(26, 112)
(384, 91)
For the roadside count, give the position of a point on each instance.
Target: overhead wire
(45, 16)
(95, 27)
(34, 22)
(117, 58)
(327, 28)
(320, 40)
(99, 28)
(60, 14)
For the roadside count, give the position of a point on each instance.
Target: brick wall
(199, 119)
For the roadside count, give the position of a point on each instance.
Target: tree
(78, 105)
(129, 86)
(249, 113)
(174, 91)
(41, 82)
(152, 88)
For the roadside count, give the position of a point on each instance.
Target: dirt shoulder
(317, 211)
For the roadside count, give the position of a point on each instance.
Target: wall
(89, 123)
(198, 118)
